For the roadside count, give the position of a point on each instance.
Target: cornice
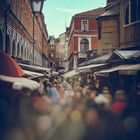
(85, 17)
(108, 7)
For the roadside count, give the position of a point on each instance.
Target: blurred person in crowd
(104, 98)
(85, 89)
(52, 92)
(57, 84)
(91, 94)
(42, 88)
(78, 96)
(119, 104)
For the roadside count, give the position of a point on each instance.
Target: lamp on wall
(37, 6)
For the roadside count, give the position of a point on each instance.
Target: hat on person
(120, 95)
(106, 88)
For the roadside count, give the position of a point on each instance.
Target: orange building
(82, 36)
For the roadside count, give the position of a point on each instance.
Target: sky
(58, 13)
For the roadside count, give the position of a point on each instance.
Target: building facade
(53, 58)
(108, 32)
(82, 36)
(129, 23)
(62, 51)
(16, 32)
(119, 26)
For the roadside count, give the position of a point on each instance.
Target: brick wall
(20, 31)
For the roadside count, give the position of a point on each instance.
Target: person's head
(92, 92)
(56, 83)
(78, 93)
(106, 91)
(49, 84)
(120, 95)
(105, 88)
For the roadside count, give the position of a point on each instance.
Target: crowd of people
(66, 112)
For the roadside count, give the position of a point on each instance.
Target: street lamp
(36, 6)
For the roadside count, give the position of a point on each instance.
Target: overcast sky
(58, 13)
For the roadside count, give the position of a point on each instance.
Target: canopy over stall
(35, 68)
(70, 74)
(17, 83)
(9, 67)
(88, 67)
(123, 69)
(31, 75)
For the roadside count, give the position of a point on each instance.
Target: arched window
(22, 52)
(18, 50)
(7, 49)
(132, 12)
(135, 10)
(13, 49)
(1, 41)
(84, 45)
(127, 15)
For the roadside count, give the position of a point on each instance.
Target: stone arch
(1, 41)
(25, 50)
(18, 50)
(27, 53)
(22, 52)
(13, 48)
(30, 55)
(28, 50)
(8, 45)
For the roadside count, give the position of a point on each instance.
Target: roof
(125, 67)
(99, 59)
(94, 12)
(108, 13)
(127, 54)
(91, 66)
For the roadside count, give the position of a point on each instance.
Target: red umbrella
(9, 67)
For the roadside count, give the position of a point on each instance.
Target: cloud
(68, 10)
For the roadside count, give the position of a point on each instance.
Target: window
(84, 45)
(51, 64)
(138, 10)
(127, 15)
(132, 12)
(84, 25)
(135, 10)
(99, 29)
